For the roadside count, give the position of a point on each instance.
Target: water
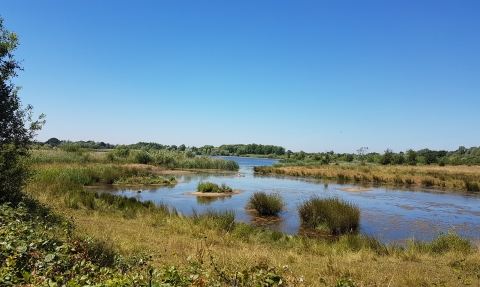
(391, 215)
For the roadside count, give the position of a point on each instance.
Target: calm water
(388, 214)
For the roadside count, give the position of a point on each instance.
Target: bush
(143, 157)
(337, 215)
(213, 187)
(266, 204)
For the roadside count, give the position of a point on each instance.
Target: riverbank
(453, 178)
(211, 245)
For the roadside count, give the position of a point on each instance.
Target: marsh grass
(266, 203)
(163, 158)
(337, 215)
(444, 177)
(213, 219)
(206, 163)
(443, 243)
(211, 245)
(213, 187)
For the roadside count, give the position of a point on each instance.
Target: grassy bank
(466, 178)
(212, 249)
(160, 158)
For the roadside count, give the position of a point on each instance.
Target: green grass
(212, 187)
(338, 216)
(266, 204)
(162, 158)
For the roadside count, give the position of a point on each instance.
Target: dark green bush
(338, 216)
(143, 157)
(266, 204)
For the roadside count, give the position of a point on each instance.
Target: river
(388, 214)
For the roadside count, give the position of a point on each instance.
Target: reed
(465, 178)
(338, 216)
(266, 203)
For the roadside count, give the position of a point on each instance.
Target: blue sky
(307, 75)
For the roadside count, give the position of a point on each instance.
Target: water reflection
(207, 200)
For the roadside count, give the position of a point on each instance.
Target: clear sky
(306, 75)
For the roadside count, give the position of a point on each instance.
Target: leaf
(49, 257)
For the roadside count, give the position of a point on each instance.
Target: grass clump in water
(213, 187)
(338, 216)
(266, 204)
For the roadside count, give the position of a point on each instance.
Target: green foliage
(37, 253)
(266, 204)
(143, 157)
(445, 242)
(17, 129)
(122, 151)
(147, 179)
(338, 216)
(212, 187)
(69, 147)
(213, 219)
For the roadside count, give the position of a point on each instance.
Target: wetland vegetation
(105, 233)
(462, 178)
(55, 232)
(266, 203)
(213, 187)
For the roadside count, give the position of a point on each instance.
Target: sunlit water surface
(391, 215)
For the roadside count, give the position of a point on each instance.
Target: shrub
(143, 157)
(266, 204)
(212, 187)
(337, 215)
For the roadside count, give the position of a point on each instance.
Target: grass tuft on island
(213, 187)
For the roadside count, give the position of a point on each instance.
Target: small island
(212, 189)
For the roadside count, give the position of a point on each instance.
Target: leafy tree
(411, 157)
(388, 157)
(17, 129)
(53, 142)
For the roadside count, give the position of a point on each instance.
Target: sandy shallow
(209, 194)
(358, 189)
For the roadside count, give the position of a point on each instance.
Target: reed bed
(466, 178)
(162, 158)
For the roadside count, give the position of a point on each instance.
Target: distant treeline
(224, 150)
(425, 156)
(461, 156)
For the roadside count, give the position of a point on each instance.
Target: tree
(17, 129)
(54, 142)
(361, 154)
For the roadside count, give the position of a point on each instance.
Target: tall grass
(207, 163)
(213, 219)
(163, 158)
(338, 216)
(452, 177)
(266, 204)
